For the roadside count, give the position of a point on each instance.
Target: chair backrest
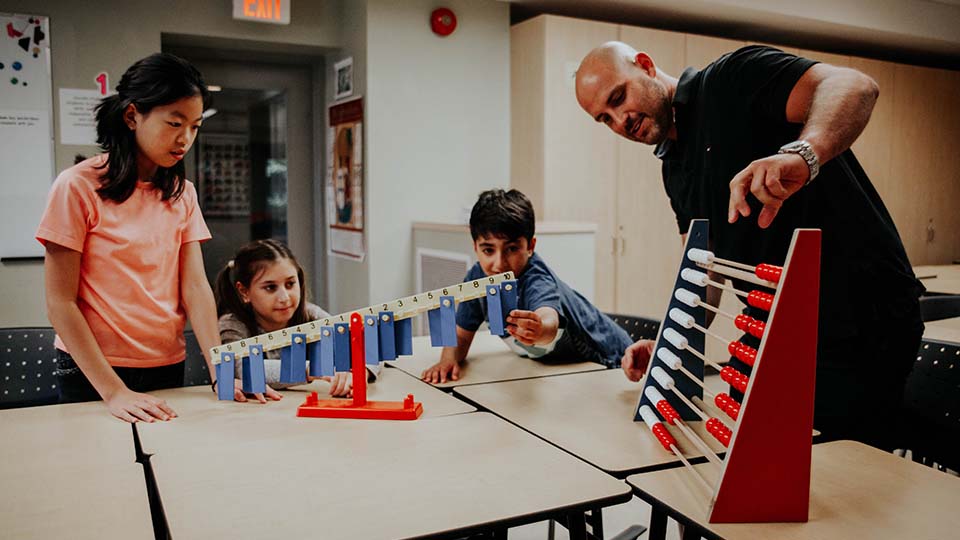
(637, 327)
(28, 364)
(195, 371)
(939, 307)
(932, 404)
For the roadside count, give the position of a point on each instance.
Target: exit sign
(265, 11)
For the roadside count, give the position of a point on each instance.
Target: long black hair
(249, 261)
(159, 79)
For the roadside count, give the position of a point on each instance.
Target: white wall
(85, 43)
(438, 126)
(349, 281)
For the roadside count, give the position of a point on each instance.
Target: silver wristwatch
(804, 150)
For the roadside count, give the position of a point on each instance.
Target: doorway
(253, 162)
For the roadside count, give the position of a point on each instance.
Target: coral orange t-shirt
(129, 290)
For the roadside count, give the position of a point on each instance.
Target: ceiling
(923, 32)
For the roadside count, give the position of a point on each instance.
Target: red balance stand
(359, 407)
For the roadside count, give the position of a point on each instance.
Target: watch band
(803, 149)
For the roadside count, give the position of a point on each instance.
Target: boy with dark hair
(551, 320)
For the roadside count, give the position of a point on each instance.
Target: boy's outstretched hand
(526, 326)
(441, 371)
(636, 359)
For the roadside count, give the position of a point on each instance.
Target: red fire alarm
(443, 21)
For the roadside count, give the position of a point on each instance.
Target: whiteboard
(26, 131)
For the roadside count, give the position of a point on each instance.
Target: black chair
(195, 372)
(638, 327)
(28, 364)
(939, 307)
(931, 422)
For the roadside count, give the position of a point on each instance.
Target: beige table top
(489, 361)
(856, 492)
(376, 480)
(68, 471)
(203, 420)
(944, 330)
(587, 414)
(943, 279)
(64, 434)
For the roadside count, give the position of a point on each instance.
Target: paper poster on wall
(26, 130)
(345, 180)
(343, 78)
(78, 123)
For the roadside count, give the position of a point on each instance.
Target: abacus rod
(703, 357)
(698, 442)
(717, 337)
(695, 472)
(725, 287)
(690, 404)
(738, 274)
(716, 310)
(735, 264)
(693, 378)
(720, 417)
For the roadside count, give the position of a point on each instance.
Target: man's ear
(643, 61)
(532, 244)
(130, 116)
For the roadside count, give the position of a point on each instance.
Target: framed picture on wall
(343, 78)
(224, 163)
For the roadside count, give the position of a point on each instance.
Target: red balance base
(359, 407)
(371, 410)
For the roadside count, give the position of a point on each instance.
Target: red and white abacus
(765, 473)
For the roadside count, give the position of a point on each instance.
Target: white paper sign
(27, 174)
(78, 125)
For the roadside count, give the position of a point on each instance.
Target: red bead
(719, 431)
(663, 436)
(667, 411)
(768, 272)
(750, 325)
(745, 353)
(727, 404)
(734, 378)
(760, 300)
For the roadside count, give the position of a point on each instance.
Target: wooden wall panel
(650, 249)
(527, 57)
(580, 167)
(701, 50)
(924, 166)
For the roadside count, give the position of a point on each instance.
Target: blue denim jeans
(74, 386)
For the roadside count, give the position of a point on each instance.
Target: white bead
(687, 297)
(682, 318)
(648, 416)
(675, 338)
(671, 360)
(653, 394)
(665, 381)
(701, 256)
(694, 276)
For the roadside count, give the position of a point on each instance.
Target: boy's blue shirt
(589, 335)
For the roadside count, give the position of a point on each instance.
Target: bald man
(758, 142)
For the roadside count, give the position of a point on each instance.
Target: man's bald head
(613, 56)
(621, 88)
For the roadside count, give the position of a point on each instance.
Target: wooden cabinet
(576, 169)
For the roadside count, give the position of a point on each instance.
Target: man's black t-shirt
(734, 112)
